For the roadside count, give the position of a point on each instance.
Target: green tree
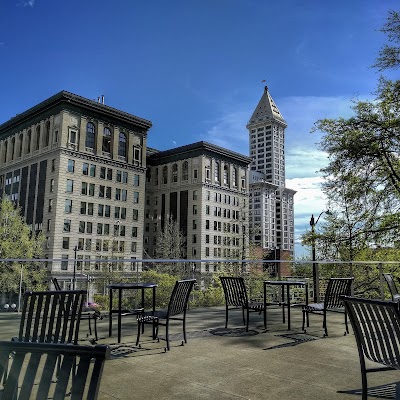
(17, 242)
(362, 179)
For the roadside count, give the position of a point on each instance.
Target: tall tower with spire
(271, 217)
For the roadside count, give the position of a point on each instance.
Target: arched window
(12, 148)
(226, 175)
(90, 136)
(185, 171)
(122, 145)
(29, 138)
(216, 173)
(174, 172)
(165, 174)
(106, 148)
(21, 142)
(37, 138)
(5, 151)
(234, 177)
(47, 134)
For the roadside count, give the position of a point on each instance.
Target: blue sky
(194, 68)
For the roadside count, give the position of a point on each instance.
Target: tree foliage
(17, 242)
(362, 178)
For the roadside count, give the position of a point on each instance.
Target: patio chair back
(51, 316)
(56, 284)
(392, 287)
(180, 296)
(32, 366)
(234, 291)
(337, 287)
(376, 326)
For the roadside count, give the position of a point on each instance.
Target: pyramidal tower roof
(266, 110)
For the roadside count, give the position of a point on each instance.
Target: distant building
(77, 169)
(271, 203)
(205, 189)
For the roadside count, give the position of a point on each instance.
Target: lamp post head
(312, 222)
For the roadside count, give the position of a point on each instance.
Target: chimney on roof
(102, 99)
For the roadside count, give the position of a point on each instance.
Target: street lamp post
(74, 276)
(315, 265)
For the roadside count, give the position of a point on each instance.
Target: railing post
(381, 282)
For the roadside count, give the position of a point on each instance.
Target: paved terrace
(219, 363)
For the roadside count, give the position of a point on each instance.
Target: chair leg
(90, 326)
(184, 329)
(325, 324)
(167, 334)
(226, 317)
(304, 320)
(345, 321)
(95, 329)
(247, 320)
(138, 333)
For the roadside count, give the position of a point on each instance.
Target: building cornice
(67, 100)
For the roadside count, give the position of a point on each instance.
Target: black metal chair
(392, 287)
(30, 368)
(376, 326)
(236, 297)
(177, 305)
(88, 313)
(51, 316)
(332, 302)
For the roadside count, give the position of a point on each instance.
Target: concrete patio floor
(219, 363)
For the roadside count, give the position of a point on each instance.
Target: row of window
(16, 148)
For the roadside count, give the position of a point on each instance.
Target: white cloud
(29, 3)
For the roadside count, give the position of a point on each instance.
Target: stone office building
(204, 188)
(77, 169)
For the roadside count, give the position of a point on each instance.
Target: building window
(194, 224)
(165, 175)
(122, 145)
(208, 174)
(91, 189)
(194, 209)
(68, 206)
(47, 134)
(135, 197)
(133, 247)
(194, 194)
(21, 142)
(50, 205)
(67, 225)
(48, 224)
(90, 136)
(89, 227)
(37, 138)
(216, 172)
(207, 224)
(106, 148)
(71, 166)
(51, 185)
(85, 168)
(136, 180)
(226, 175)
(185, 171)
(82, 226)
(194, 239)
(134, 231)
(84, 188)
(107, 211)
(175, 172)
(117, 194)
(64, 262)
(83, 207)
(65, 243)
(70, 186)
(28, 144)
(92, 171)
(136, 156)
(135, 215)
